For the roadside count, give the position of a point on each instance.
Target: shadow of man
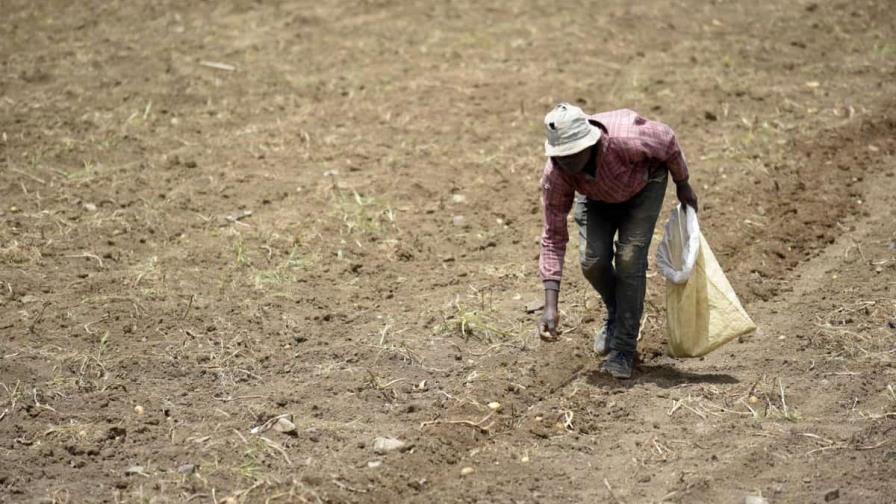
(661, 375)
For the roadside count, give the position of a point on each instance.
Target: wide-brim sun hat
(568, 131)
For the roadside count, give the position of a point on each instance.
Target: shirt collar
(601, 145)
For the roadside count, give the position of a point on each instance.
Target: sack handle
(682, 224)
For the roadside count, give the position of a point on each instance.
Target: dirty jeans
(621, 283)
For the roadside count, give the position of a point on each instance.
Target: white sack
(677, 253)
(702, 310)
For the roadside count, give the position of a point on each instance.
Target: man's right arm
(557, 198)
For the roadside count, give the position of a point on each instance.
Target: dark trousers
(619, 273)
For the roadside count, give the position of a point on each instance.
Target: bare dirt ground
(340, 223)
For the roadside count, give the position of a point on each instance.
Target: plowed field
(216, 213)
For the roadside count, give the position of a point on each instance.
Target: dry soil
(215, 213)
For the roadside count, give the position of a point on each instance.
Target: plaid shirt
(630, 148)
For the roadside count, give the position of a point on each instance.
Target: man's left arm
(678, 168)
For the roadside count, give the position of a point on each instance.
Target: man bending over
(614, 167)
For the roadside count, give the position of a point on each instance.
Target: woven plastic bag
(702, 310)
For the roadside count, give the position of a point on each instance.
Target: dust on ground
(217, 213)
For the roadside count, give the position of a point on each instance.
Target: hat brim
(571, 148)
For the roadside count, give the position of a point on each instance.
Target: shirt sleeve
(658, 141)
(557, 198)
(675, 161)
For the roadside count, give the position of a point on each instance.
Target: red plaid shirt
(630, 148)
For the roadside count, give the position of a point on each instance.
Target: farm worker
(613, 166)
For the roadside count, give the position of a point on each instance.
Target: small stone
(832, 495)
(458, 220)
(458, 198)
(755, 499)
(494, 406)
(28, 298)
(466, 471)
(139, 410)
(383, 445)
(186, 468)
(373, 464)
(285, 426)
(90, 207)
(524, 459)
(134, 470)
(753, 400)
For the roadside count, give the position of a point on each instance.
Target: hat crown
(566, 123)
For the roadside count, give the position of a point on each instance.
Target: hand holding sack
(702, 310)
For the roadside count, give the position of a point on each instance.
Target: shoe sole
(616, 374)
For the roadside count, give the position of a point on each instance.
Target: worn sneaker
(619, 364)
(601, 337)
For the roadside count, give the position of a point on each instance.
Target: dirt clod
(534, 306)
(116, 433)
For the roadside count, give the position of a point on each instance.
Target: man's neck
(591, 165)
